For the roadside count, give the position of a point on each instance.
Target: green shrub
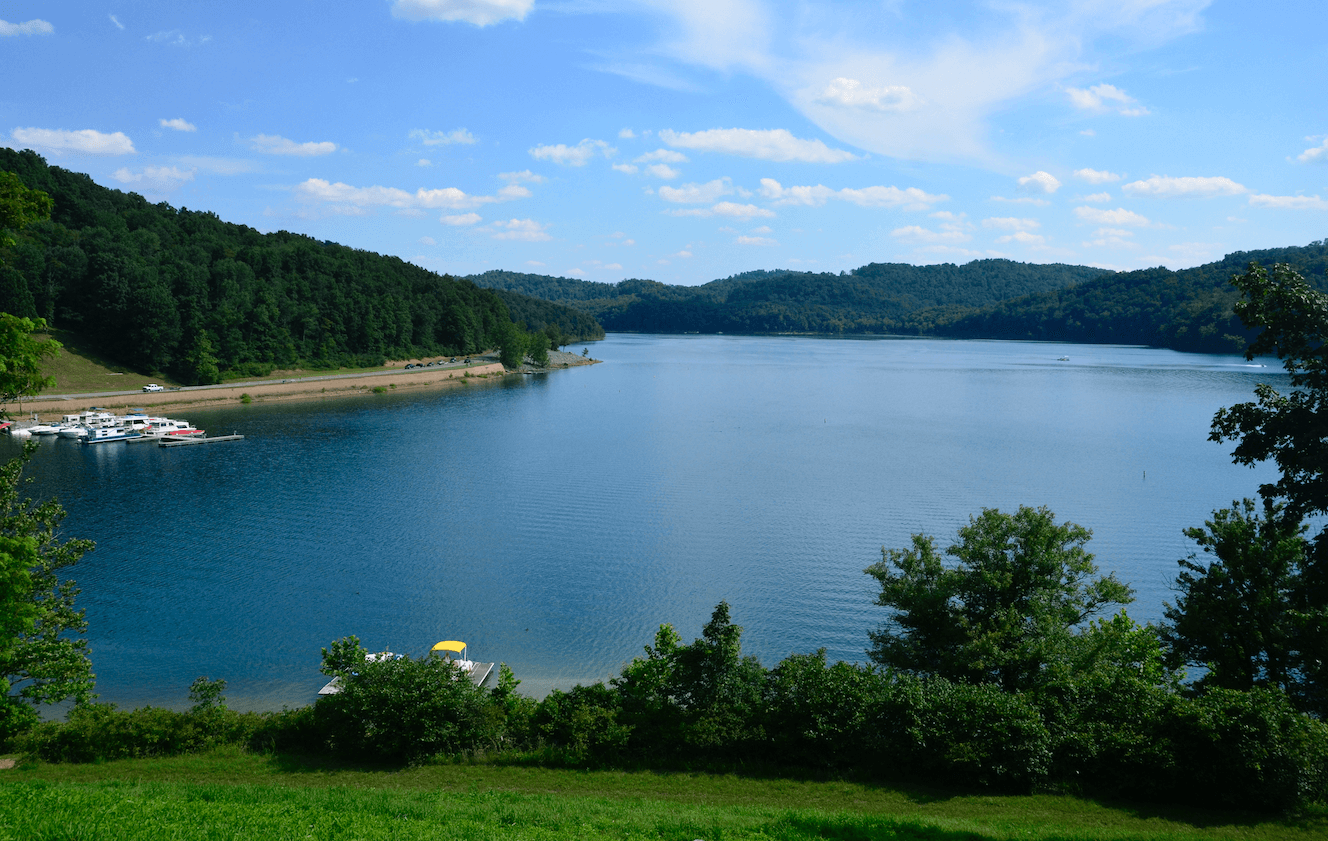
(817, 714)
(1250, 750)
(582, 724)
(969, 734)
(407, 709)
(98, 732)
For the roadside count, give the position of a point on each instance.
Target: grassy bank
(230, 794)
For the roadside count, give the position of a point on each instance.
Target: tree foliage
(1004, 611)
(1290, 429)
(1241, 615)
(19, 207)
(21, 355)
(45, 661)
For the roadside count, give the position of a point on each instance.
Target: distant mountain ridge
(1188, 310)
(872, 299)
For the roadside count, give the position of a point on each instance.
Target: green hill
(1189, 310)
(160, 289)
(872, 299)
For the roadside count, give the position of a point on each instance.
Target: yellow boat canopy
(453, 646)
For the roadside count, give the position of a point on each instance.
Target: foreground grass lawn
(233, 795)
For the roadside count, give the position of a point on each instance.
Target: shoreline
(303, 388)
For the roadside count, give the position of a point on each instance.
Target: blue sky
(689, 140)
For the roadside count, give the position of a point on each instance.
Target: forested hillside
(873, 299)
(1188, 310)
(182, 292)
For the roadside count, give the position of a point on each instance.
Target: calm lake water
(554, 521)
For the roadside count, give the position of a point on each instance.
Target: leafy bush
(99, 732)
(403, 710)
(1247, 749)
(582, 725)
(970, 734)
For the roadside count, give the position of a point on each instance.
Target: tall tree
(1020, 586)
(45, 661)
(1237, 615)
(21, 355)
(1292, 428)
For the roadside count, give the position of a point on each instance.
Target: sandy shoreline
(310, 388)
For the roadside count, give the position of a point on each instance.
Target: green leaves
(1002, 612)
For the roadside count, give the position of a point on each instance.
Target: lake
(554, 521)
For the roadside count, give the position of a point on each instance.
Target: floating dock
(215, 439)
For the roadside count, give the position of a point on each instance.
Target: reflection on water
(554, 521)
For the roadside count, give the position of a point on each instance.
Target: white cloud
(1097, 197)
(341, 197)
(741, 211)
(965, 68)
(275, 144)
(523, 230)
(154, 179)
(697, 193)
(524, 175)
(31, 27)
(1288, 202)
(1097, 98)
(1314, 153)
(1024, 238)
(1096, 176)
(764, 144)
(428, 241)
(461, 220)
(626, 134)
(578, 155)
(630, 169)
(179, 124)
(918, 234)
(115, 20)
(663, 171)
(909, 199)
(478, 12)
(667, 156)
(1165, 187)
(1120, 217)
(1010, 223)
(1039, 182)
(617, 267)
(443, 138)
(726, 208)
(853, 94)
(85, 142)
(745, 240)
(763, 229)
(1022, 200)
(424, 162)
(535, 263)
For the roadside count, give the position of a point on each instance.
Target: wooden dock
(214, 439)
